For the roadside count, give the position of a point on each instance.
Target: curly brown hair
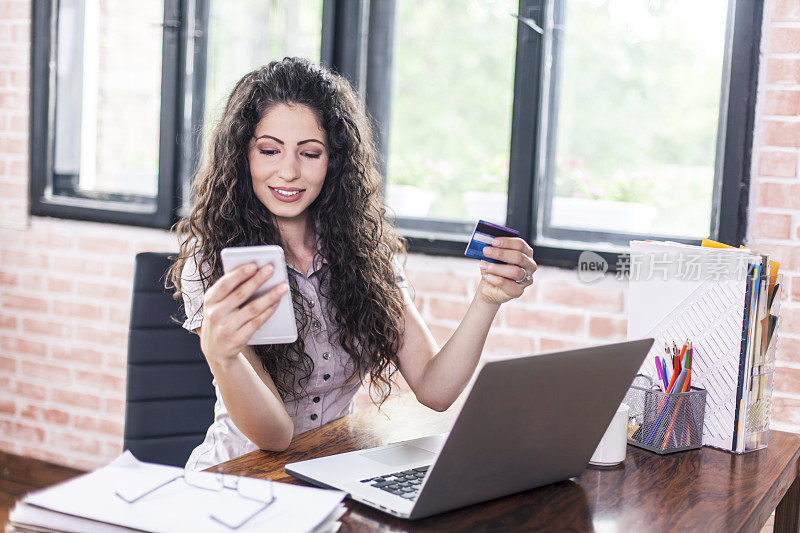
(353, 235)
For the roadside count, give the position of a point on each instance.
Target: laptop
(526, 422)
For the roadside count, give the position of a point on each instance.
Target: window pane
(243, 35)
(637, 111)
(107, 98)
(452, 91)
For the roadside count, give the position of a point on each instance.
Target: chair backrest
(170, 398)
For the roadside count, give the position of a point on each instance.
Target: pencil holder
(665, 423)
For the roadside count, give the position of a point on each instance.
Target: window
(118, 122)
(95, 147)
(631, 119)
(581, 123)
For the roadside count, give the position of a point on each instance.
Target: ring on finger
(525, 277)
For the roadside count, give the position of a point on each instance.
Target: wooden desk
(711, 490)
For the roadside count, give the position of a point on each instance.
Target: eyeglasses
(213, 482)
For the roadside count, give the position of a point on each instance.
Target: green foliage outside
(637, 119)
(639, 106)
(451, 98)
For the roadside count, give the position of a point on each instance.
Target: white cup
(613, 446)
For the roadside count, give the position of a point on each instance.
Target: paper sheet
(181, 507)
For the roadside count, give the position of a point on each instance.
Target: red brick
(509, 344)
(76, 442)
(13, 190)
(78, 310)
(786, 410)
(121, 271)
(22, 432)
(12, 344)
(115, 407)
(17, 169)
(77, 399)
(609, 328)
(788, 349)
(786, 11)
(783, 71)
(15, 10)
(549, 345)
(116, 293)
(772, 226)
(72, 264)
(790, 320)
(784, 40)
(52, 240)
(98, 425)
(786, 103)
(47, 328)
(59, 285)
(106, 337)
(441, 309)
(52, 416)
(13, 100)
(788, 256)
(18, 77)
(100, 381)
(23, 303)
(49, 372)
(8, 407)
(779, 195)
(21, 33)
(777, 164)
(427, 281)
(796, 289)
(776, 133)
(543, 320)
(78, 355)
(8, 322)
(8, 364)
(584, 296)
(11, 146)
(787, 379)
(103, 246)
(29, 390)
(8, 279)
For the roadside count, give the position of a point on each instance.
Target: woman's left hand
(501, 283)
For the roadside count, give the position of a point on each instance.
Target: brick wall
(65, 285)
(774, 225)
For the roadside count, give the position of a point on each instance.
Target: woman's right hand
(229, 320)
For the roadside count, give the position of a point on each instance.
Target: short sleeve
(399, 272)
(192, 290)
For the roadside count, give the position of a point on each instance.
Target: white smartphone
(281, 327)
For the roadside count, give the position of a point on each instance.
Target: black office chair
(170, 399)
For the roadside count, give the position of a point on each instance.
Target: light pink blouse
(327, 396)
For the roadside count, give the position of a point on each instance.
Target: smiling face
(288, 157)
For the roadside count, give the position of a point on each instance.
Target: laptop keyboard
(405, 483)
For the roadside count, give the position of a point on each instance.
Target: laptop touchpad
(399, 455)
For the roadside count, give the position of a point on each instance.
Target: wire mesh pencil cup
(665, 423)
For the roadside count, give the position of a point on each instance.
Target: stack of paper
(129, 495)
(726, 302)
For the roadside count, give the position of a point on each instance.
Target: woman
(292, 163)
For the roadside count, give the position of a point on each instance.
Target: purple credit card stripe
(496, 226)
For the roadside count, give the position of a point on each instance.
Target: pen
(659, 371)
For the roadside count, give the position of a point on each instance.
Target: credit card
(482, 237)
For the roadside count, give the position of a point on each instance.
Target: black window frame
(114, 208)
(532, 132)
(357, 41)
